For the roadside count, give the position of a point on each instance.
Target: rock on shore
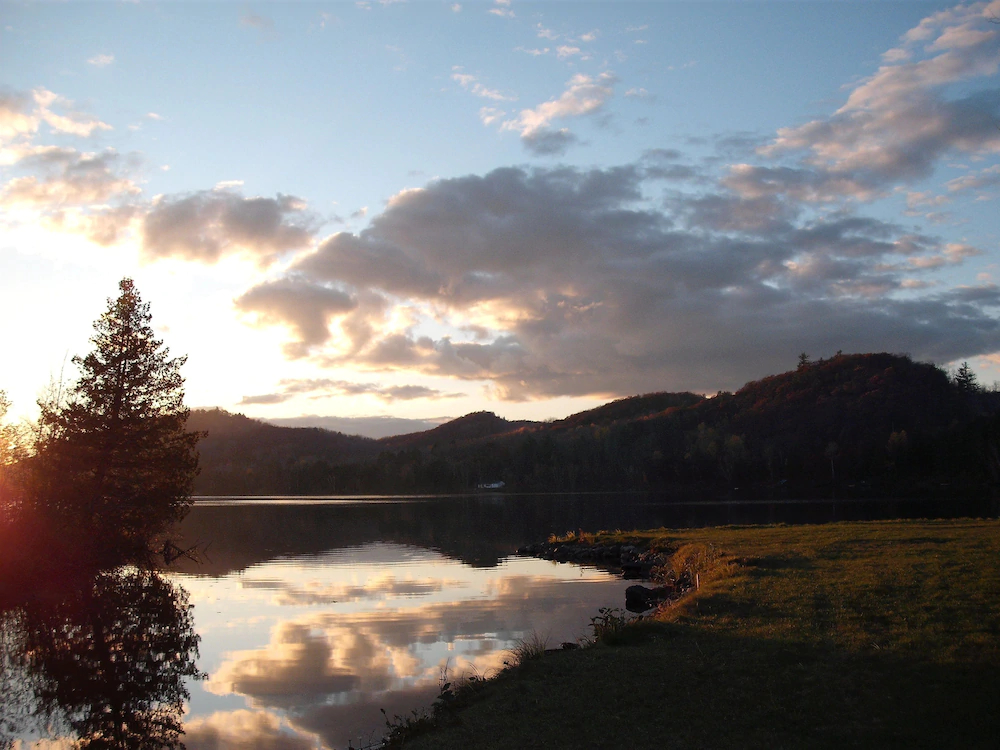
(629, 560)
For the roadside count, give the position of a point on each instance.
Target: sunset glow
(425, 209)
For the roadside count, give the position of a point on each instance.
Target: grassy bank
(843, 635)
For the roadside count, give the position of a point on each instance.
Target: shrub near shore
(882, 634)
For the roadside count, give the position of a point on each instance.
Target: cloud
(101, 61)
(897, 124)
(253, 21)
(544, 33)
(584, 95)
(502, 9)
(71, 122)
(470, 83)
(16, 118)
(22, 113)
(65, 177)
(339, 667)
(323, 388)
(566, 50)
(104, 227)
(588, 288)
(377, 589)
(206, 226)
(986, 178)
(305, 307)
(243, 730)
(490, 115)
(546, 142)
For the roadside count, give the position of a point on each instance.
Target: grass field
(882, 634)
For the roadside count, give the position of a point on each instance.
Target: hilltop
(878, 421)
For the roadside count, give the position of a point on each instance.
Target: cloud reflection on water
(351, 634)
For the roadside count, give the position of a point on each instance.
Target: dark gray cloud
(590, 288)
(305, 306)
(546, 142)
(207, 225)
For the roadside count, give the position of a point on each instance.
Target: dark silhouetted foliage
(105, 661)
(114, 459)
(872, 422)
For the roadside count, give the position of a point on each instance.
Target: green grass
(874, 635)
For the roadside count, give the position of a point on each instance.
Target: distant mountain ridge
(869, 418)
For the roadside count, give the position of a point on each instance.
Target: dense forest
(860, 422)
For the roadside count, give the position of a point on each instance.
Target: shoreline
(843, 634)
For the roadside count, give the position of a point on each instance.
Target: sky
(343, 213)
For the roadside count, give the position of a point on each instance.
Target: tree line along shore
(877, 424)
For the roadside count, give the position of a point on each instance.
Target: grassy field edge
(874, 634)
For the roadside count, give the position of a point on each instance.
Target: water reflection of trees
(105, 663)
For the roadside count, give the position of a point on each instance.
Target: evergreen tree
(114, 458)
(965, 379)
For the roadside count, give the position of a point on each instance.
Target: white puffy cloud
(897, 124)
(584, 95)
(71, 121)
(21, 114)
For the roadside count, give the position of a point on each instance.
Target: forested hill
(475, 426)
(243, 456)
(877, 421)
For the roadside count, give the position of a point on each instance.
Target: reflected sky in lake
(305, 652)
(316, 615)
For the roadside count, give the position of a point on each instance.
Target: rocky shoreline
(628, 560)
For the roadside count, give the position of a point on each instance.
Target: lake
(316, 614)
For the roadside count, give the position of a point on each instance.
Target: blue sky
(421, 209)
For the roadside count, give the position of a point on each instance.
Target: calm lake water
(315, 614)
